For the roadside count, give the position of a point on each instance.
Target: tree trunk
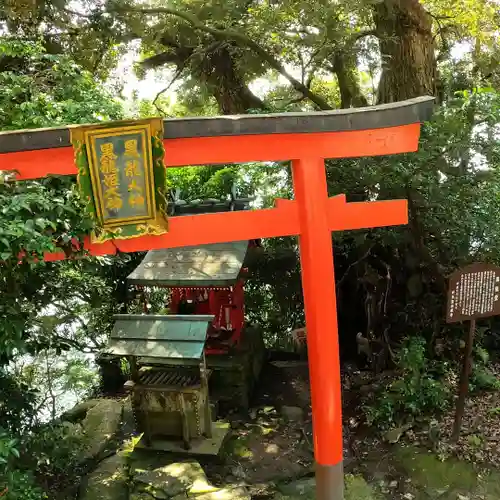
(404, 30)
(220, 74)
(217, 70)
(351, 95)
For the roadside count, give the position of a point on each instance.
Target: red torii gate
(306, 139)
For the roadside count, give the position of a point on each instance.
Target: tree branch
(161, 92)
(358, 36)
(176, 54)
(160, 59)
(75, 13)
(239, 38)
(75, 344)
(346, 273)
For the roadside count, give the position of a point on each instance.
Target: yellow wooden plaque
(121, 174)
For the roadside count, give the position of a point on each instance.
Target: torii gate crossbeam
(306, 139)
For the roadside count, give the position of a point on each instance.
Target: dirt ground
(273, 443)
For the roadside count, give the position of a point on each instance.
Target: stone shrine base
(199, 447)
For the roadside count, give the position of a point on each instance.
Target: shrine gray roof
(168, 337)
(393, 114)
(207, 265)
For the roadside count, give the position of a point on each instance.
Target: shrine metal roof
(169, 337)
(207, 265)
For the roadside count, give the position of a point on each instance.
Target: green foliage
(475, 21)
(54, 453)
(20, 485)
(35, 218)
(7, 448)
(46, 308)
(452, 184)
(60, 379)
(40, 90)
(31, 466)
(482, 377)
(17, 403)
(418, 390)
(356, 488)
(274, 293)
(15, 484)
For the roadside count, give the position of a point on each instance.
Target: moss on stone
(356, 488)
(446, 479)
(237, 446)
(436, 476)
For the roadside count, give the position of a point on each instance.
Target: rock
(100, 425)
(108, 481)
(236, 424)
(70, 429)
(79, 411)
(394, 435)
(238, 472)
(238, 493)
(141, 496)
(303, 488)
(200, 481)
(272, 448)
(261, 490)
(292, 413)
(172, 479)
(356, 488)
(268, 410)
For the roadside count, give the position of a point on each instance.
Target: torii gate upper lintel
(306, 139)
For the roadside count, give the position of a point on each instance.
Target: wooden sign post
(474, 292)
(306, 139)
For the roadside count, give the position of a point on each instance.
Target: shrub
(482, 378)
(47, 460)
(417, 391)
(54, 454)
(15, 484)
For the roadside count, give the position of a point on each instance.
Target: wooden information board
(474, 292)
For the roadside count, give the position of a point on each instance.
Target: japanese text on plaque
(122, 164)
(474, 293)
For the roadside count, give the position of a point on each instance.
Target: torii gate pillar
(318, 284)
(307, 139)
